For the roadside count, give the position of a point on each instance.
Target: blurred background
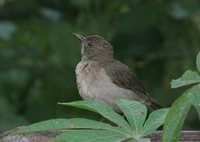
(157, 39)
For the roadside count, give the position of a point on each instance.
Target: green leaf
(141, 140)
(175, 118)
(61, 124)
(91, 136)
(194, 97)
(135, 113)
(102, 108)
(189, 77)
(198, 62)
(154, 121)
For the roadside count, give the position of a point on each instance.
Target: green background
(157, 39)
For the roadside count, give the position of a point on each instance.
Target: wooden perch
(185, 136)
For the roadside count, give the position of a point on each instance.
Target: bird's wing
(122, 77)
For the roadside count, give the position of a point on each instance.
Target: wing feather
(122, 77)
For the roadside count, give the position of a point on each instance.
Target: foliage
(189, 77)
(158, 40)
(179, 109)
(81, 129)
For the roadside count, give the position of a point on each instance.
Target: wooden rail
(185, 136)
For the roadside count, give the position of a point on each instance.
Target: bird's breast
(88, 78)
(94, 83)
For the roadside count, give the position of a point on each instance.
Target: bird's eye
(90, 43)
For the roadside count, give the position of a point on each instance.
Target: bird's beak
(80, 37)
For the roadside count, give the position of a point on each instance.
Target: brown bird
(101, 77)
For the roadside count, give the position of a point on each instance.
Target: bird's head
(95, 47)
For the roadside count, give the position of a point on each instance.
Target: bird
(101, 77)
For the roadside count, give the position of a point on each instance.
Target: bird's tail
(155, 105)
